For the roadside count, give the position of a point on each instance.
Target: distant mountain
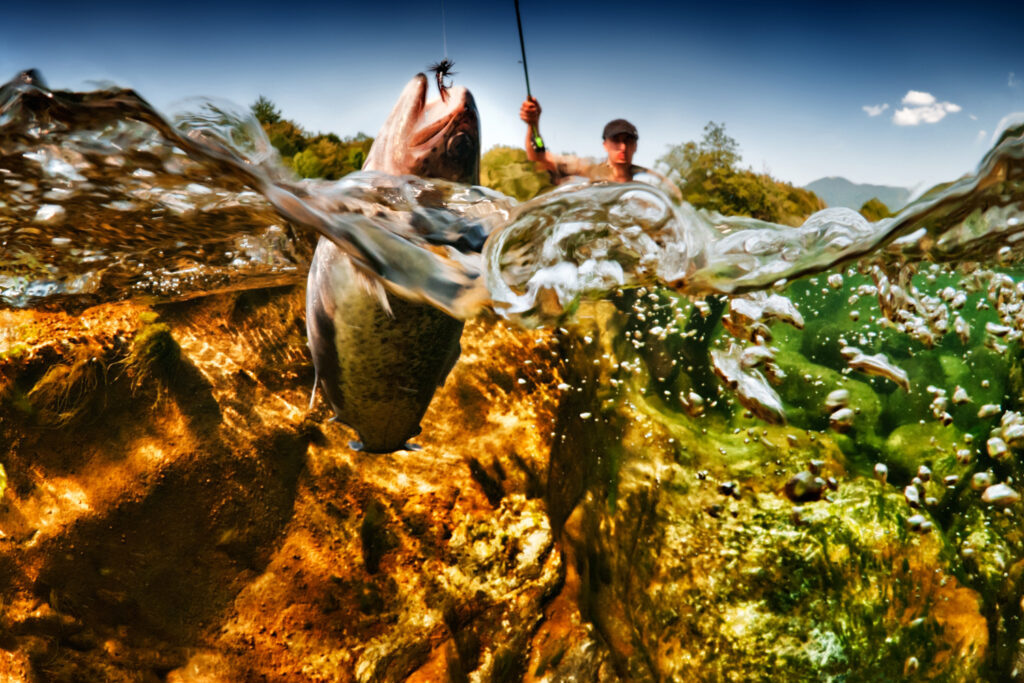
(841, 192)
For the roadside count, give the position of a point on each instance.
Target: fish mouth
(435, 139)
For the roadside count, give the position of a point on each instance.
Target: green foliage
(723, 151)
(286, 137)
(874, 210)
(337, 157)
(708, 176)
(507, 170)
(307, 164)
(265, 111)
(321, 155)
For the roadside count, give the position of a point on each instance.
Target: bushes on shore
(320, 155)
(707, 172)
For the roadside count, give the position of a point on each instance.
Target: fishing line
(443, 69)
(444, 32)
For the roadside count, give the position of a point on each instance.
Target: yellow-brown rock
(174, 508)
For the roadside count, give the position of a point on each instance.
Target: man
(619, 140)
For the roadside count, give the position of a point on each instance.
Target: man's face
(620, 148)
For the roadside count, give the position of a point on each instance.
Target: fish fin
(375, 288)
(382, 297)
(316, 383)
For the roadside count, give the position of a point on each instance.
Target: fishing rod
(538, 142)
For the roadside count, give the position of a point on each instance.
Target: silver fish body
(380, 358)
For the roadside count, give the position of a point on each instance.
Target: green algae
(805, 389)
(75, 390)
(69, 392)
(695, 564)
(154, 354)
(15, 351)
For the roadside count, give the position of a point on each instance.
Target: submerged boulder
(175, 510)
(695, 564)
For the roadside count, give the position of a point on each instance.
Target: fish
(380, 358)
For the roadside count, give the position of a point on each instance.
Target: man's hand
(530, 111)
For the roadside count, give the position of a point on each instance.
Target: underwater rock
(990, 549)
(807, 388)
(804, 487)
(180, 515)
(666, 560)
(932, 446)
(761, 594)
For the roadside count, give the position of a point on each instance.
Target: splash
(103, 198)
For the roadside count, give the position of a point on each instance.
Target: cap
(619, 126)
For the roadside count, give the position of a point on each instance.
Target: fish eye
(459, 145)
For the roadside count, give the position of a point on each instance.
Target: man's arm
(530, 114)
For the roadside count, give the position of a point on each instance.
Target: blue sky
(791, 81)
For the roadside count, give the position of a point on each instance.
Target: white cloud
(916, 98)
(981, 136)
(1012, 80)
(973, 117)
(922, 107)
(875, 109)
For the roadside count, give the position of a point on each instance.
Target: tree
(323, 155)
(286, 137)
(708, 176)
(265, 111)
(722, 150)
(308, 165)
(679, 160)
(874, 210)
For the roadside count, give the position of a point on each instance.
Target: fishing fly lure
(442, 70)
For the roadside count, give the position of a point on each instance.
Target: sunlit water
(103, 199)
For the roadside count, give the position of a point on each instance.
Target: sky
(906, 94)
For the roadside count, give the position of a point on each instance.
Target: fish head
(436, 139)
